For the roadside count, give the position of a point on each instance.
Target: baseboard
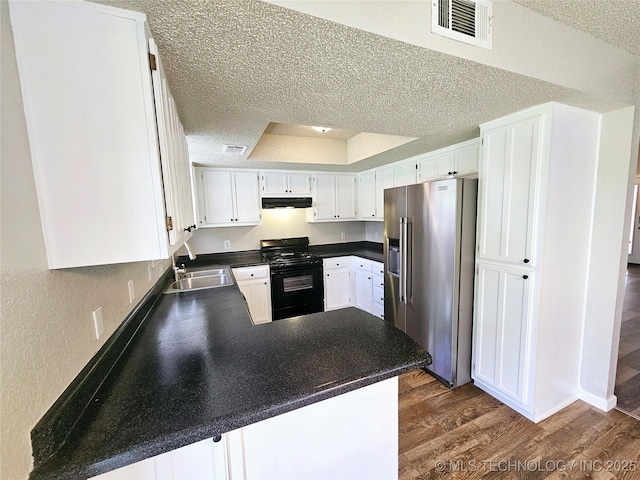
(604, 404)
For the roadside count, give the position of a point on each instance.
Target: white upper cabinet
(282, 184)
(371, 192)
(174, 154)
(404, 173)
(507, 193)
(459, 160)
(228, 197)
(334, 197)
(367, 195)
(88, 95)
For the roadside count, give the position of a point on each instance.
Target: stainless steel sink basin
(205, 273)
(199, 280)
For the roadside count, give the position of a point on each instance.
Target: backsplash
(281, 223)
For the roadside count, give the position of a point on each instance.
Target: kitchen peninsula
(196, 368)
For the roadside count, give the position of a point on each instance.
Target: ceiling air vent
(467, 21)
(234, 149)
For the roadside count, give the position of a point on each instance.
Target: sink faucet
(192, 256)
(178, 270)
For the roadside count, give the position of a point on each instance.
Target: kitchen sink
(199, 280)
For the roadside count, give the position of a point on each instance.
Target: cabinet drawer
(378, 281)
(363, 264)
(337, 262)
(251, 273)
(378, 268)
(378, 310)
(378, 294)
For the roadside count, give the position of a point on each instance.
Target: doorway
(627, 386)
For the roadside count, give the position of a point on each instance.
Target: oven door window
(294, 284)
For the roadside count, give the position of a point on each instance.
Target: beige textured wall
(288, 148)
(365, 145)
(46, 331)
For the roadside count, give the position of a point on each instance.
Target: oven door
(296, 291)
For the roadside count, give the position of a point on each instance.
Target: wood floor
(627, 387)
(467, 434)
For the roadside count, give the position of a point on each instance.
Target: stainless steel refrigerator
(429, 243)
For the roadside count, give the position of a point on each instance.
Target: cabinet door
(201, 460)
(434, 166)
(324, 197)
(174, 156)
(465, 159)
(299, 183)
(364, 290)
(367, 195)
(246, 197)
(384, 179)
(346, 196)
(404, 174)
(260, 306)
(88, 101)
(501, 327)
(507, 191)
(337, 288)
(274, 183)
(217, 195)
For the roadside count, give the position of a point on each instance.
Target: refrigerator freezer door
(432, 312)
(395, 203)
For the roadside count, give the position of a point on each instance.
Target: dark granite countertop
(197, 368)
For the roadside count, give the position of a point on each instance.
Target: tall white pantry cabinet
(536, 184)
(109, 153)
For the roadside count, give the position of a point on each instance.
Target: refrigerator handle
(405, 259)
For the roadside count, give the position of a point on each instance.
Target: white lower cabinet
(337, 283)
(501, 330)
(369, 286)
(331, 439)
(201, 460)
(255, 284)
(354, 281)
(364, 290)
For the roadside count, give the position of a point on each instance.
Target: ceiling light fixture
(321, 129)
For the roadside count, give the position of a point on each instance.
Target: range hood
(286, 202)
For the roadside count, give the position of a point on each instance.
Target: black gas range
(296, 277)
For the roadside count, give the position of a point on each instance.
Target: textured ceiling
(614, 21)
(236, 65)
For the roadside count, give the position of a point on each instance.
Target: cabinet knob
(328, 275)
(450, 173)
(217, 438)
(455, 173)
(368, 278)
(252, 274)
(525, 276)
(526, 260)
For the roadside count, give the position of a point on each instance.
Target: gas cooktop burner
(288, 252)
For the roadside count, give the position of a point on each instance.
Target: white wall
(607, 260)
(276, 223)
(46, 328)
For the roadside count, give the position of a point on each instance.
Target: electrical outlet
(342, 235)
(132, 292)
(98, 322)
(377, 236)
(227, 245)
